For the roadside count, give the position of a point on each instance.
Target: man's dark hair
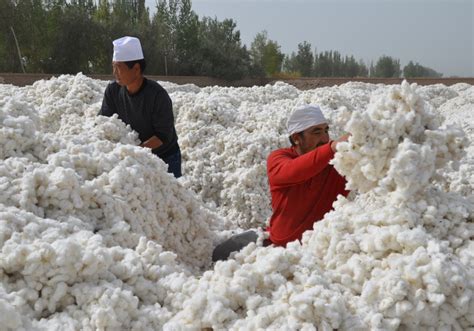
(141, 62)
(291, 140)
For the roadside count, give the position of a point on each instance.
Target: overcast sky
(437, 34)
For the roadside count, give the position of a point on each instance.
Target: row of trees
(69, 36)
(59, 36)
(327, 64)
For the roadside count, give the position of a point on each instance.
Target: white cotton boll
(19, 123)
(466, 253)
(60, 321)
(53, 297)
(438, 94)
(11, 319)
(57, 295)
(412, 239)
(411, 118)
(113, 129)
(410, 169)
(450, 143)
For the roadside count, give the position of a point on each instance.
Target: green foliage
(68, 36)
(417, 70)
(326, 64)
(221, 52)
(303, 62)
(8, 54)
(266, 57)
(304, 59)
(175, 38)
(187, 39)
(74, 24)
(323, 64)
(32, 41)
(362, 70)
(287, 75)
(387, 67)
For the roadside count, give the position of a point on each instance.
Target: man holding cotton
(143, 104)
(303, 185)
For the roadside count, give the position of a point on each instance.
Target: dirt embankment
(301, 83)
(311, 83)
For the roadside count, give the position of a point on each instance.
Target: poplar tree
(387, 67)
(265, 55)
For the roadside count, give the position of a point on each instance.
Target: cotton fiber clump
(405, 146)
(459, 111)
(95, 234)
(58, 274)
(401, 246)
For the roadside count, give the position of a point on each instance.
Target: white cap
(305, 117)
(127, 49)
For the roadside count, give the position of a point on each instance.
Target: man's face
(312, 137)
(123, 74)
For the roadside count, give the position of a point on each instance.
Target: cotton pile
(95, 234)
(458, 111)
(89, 219)
(398, 256)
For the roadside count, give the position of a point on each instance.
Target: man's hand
(342, 138)
(153, 142)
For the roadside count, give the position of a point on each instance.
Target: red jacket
(303, 189)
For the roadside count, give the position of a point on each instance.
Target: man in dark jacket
(142, 103)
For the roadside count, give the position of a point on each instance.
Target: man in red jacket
(303, 184)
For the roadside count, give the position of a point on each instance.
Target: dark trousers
(174, 163)
(235, 244)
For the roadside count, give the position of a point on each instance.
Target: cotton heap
(86, 214)
(404, 242)
(392, 258)
(95, 235)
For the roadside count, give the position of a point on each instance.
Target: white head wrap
(305, 117)
(127, 49)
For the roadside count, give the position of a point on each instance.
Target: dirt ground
(300, 83)
(312, 83)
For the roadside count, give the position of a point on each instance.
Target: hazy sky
(437, 34)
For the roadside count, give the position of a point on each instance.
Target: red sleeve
(285, 170)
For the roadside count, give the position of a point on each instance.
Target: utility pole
(18, 49)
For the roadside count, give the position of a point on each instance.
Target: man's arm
(163, 121)
(283, 170)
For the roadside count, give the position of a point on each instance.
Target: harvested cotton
(393, 257)
(94, 234)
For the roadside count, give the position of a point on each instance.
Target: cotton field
(96, 235)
